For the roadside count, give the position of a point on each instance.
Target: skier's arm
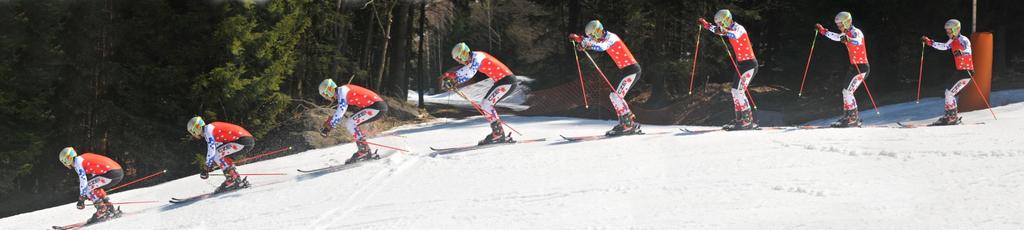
(855, 37)
(468, 71)
(211, 146)
(941, 46)
(339, 112)
(966, 44)
(596, 45)
(83, 181)
(834, 36)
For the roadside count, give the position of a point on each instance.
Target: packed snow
(954, 177)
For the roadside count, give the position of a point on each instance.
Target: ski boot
(232, 181)
(744, 121)
(627, 125)
(497, 135)
(950, 118)
(363, 153)
(850, 118)
(104, 211)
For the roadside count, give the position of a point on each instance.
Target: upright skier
(96, 173)
(598, 39)
(746, 63)
(960, 46)
(369, 105)
(504, 83)
(222, 140)
(856, 48)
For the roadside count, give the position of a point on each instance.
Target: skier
(856, 48)
(746, 63)
(222, 140)
(598, 39)
(504, 83)
(96, 174)
(370, 107)
(961, 48)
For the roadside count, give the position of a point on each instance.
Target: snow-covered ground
(957, 177)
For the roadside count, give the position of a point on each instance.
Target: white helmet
(844, 20)
(195, 126)
(952, 27)
(327, 88)
(67, 156)
(723, 18)
(461, 53)
(595, 30)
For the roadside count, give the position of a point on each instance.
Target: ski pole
(580, 70)
(975, 83)
(601, 72)
(865, 81)
(481, 111)
(808, 66)
(696, 51)
(252, 174)
(138, 180)
(738, 74)
(920, 73)
(385, 146)
(263, 154)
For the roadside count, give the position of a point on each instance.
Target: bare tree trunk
(421, 66)
(384, 46)
(397, 83)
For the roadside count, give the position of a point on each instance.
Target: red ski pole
(580, 70)
(481, 111)
(740, 76)
(272, 152)
(869, 92)
(920, 73)
(808, 66)
(385, 146)
(696, 51)
(137, 180)
(975, 83)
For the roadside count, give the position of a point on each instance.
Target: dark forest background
(121, 77)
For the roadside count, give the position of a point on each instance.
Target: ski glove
(926, 40)
(81, 203)
(576, 38)
(448, 81)
(821, 29)
(326, 130)
(704, 23)
(204, 174)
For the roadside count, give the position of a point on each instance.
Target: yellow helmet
(67, 156)
(327, 88)
(952, 27)
(844, 20)
(595, 30)
(195, 126)
(461, 53)
(723, 18)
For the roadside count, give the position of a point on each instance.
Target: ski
(602, 137)
(910, 126)
(335, 168)
(118, 213)
(446, 151)
(245, 184)
(70, 226)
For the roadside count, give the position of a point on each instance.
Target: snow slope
(960, 177)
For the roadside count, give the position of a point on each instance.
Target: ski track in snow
(958, 177)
